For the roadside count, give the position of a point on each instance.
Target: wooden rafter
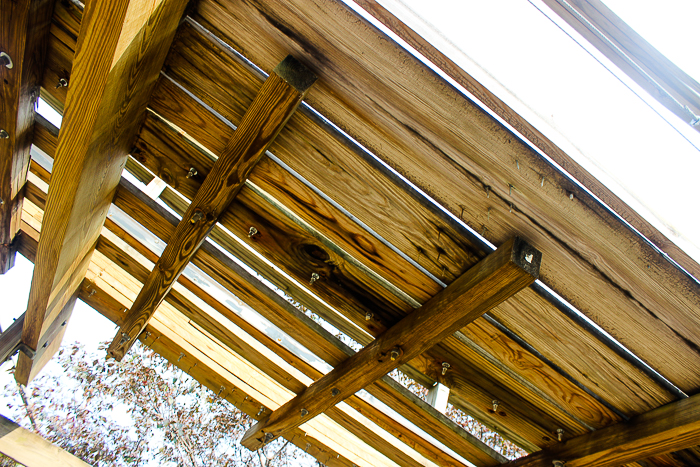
(24, 27)
(512, 267)
(121, 47)
(672, 427)
(32, 450)
(275, 103)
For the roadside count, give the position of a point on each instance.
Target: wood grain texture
(32, 450)
(119, 53)
(669, 428)
(443, 62)
(24, 31)
(510, 268)
(106, 276)
(279, 97)
(333, 167)
(427, 131)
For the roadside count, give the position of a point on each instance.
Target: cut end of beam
(296, 74)
(512, 267)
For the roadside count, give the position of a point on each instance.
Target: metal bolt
(197, 216)
(542, 181)
(560, 434)
(528, 257)
(556, 463)
(125, 338)
(262, 409)
(4, 134)
(269, 436)
(571, 196)
(252, 231)
(335, 392)
(314, 278)
(92, 292)
(368, 316)
(62, 83)
(394, 354)
(304, 412)
(445, 367)
(63, 323)
(221, 389)
(308, 445)
(182, 354)
(488, 191)
(517, 164)
(495, 405)
(45, 345)
(5, 60)
(192, 172)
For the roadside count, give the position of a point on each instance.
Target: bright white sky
(523, 57)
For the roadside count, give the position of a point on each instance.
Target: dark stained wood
(338, 171)
(443, 62)
(10, 338)
(453, 150)
(267, 115)
(120, 50)
(503, 273)
(668, 428)
(24, 30)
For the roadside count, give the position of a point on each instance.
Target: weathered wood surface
(335, 169)
(503, 273)
(277, 100)
(30, 449)
(429, 132)
(120, 51)
(668, 428)
(117, 257)
(455, 437)
(425, 48)
(637, 58)
(24, 31)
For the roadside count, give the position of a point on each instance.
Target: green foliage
(142, 411)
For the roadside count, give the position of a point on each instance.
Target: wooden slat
(452, 150)
(503, 273)
(669, 428)
(120, 51)
(30, 449)
(24, 30)
(443, 62)
(267, 115)
(332, 166)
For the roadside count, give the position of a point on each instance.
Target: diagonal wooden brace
(277, 100)
(506, 271)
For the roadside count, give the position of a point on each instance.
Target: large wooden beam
(512, 267)
(277, 100)
(121, 48)
(672, 427)
(32, 450)
(24, 27)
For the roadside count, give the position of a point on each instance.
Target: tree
(142, 411)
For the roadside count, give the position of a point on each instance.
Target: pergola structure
(281, 200)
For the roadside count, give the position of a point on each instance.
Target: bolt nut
(314, 278)
(6, 60)
(394, 354)
(368, 316)
(4, 134)
(445, 367)
(304, 412)
(335, 392)
(252, 232)
(192, 172)
(197, 216)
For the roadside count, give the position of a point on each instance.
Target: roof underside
(388, 183)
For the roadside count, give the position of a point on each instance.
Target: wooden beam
(32, 450)
(672, 427)
(277, 100)
(24, 28)
(10, 339)
(512, 267)
(120, 51)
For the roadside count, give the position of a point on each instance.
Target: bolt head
(4, 134)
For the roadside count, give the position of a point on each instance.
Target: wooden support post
(512, 267)
(24, 28)
(31, 449)
(277, 100)
(120, 51)
(669, 428)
